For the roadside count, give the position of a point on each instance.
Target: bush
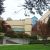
(1, 37)
(13, 34)
(23, 35)
(33, 39)
(1, 30)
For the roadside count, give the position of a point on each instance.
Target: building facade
(21, 25)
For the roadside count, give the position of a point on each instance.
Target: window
(18, 29)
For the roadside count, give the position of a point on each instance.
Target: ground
(25, 47)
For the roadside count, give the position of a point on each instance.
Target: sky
(14, 10)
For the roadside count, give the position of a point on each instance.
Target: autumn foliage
(42, 29)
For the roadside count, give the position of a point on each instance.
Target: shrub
(1, 35)
(17, 34)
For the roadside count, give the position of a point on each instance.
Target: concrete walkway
(15, 40)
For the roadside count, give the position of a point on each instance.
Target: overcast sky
(13, 10)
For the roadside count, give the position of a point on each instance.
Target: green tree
(38, 5)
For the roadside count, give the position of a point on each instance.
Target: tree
(1, 26)
(42, 31)
(38, 5)
(1, 7)
(7, 29)
(1, 19)
(5, 26)
(48, 23)
(9, 19)
(48, 26)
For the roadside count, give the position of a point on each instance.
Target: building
(28, 25)
(24, 25)
(21, 25)
(45, 17)
(34, 21)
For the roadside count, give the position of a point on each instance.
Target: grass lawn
(25, 47)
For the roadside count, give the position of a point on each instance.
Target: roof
(45, 15)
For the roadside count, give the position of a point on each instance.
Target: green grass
(25, 47)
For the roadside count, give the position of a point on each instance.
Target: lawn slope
(25, 47)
